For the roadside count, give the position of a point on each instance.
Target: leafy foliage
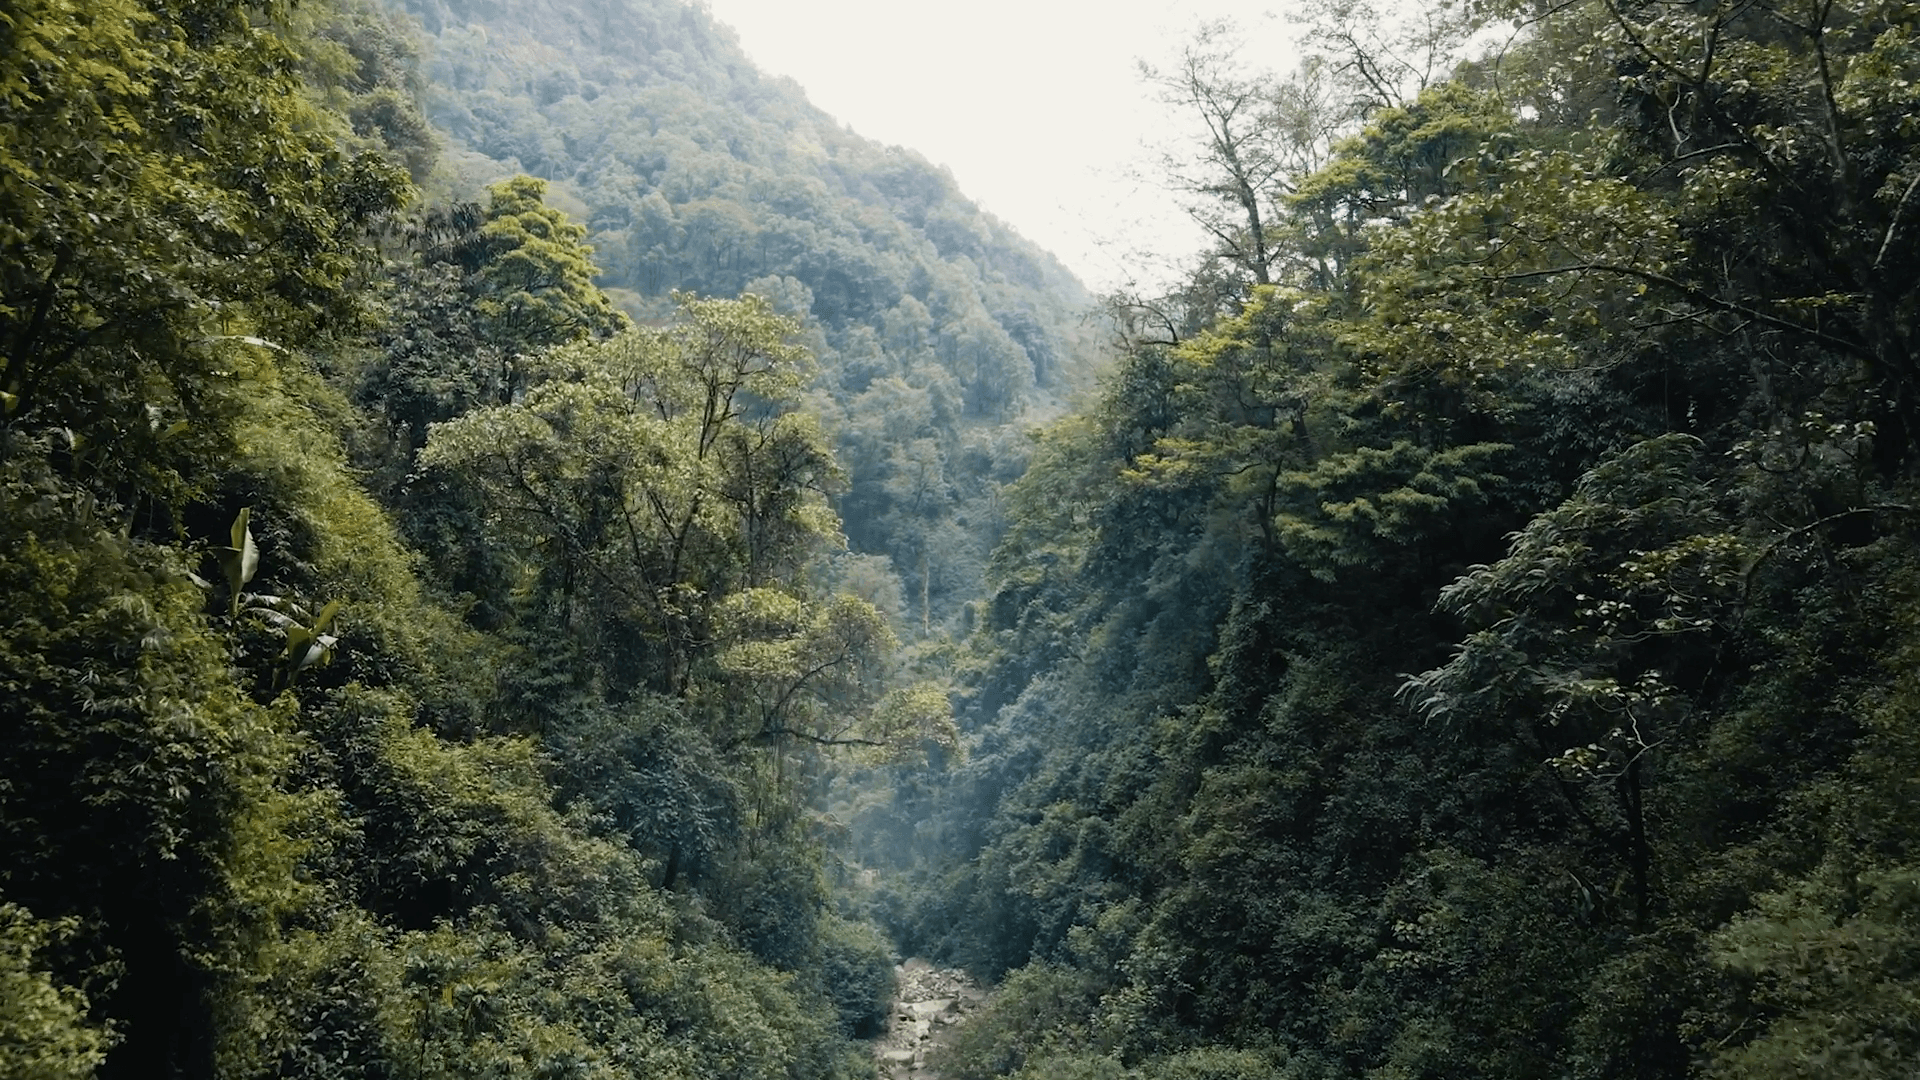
(44, 1034)
(268, 805)
(1474, 631)
(1466, 635)
(940, 333)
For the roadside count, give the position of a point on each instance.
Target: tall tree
(1241, 164)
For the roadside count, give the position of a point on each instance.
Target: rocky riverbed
(929, 1003)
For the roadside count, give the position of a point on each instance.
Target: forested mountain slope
(1473, 633)
(409, 667)
(940, 332)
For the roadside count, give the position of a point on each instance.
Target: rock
(927, 1002)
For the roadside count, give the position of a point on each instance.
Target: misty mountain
(941, 332)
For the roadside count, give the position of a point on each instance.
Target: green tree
(1241, 167)
(44, 1033)
(533, 275)
(659, 472)
(676, 492)
(146, 254)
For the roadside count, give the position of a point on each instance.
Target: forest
(528, 550)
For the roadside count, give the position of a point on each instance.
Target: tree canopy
(579, 589)
(1463, 637)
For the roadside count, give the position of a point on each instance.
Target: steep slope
(941, 332)
(269, 805)
(1489, 651)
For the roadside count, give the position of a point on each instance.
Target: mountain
(942, 334)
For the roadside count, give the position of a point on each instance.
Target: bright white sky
(1036, 105)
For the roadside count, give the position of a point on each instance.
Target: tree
(44, 1034)
(1242, 162)
(674, 492)
(1386, 59)
(1590, 635)
(820, 675)
(657, 472)
(533, 276)
(146, 256)
(475, 289)
(1660, 226)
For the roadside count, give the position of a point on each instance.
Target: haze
(1036, 107)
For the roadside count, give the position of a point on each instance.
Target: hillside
(1473, 629)
(941, 333)
(1473, 633)
(409, 665)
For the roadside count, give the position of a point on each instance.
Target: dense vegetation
(465, 476)
(940, 332)
(1473, 633)
(409, 665)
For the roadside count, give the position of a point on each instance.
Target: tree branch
(768, 734)
(1695, 293)
(1746, 576)
(1895, 222)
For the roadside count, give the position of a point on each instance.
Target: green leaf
(240, 561)
(326, 617)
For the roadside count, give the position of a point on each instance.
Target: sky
(1037, 106)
